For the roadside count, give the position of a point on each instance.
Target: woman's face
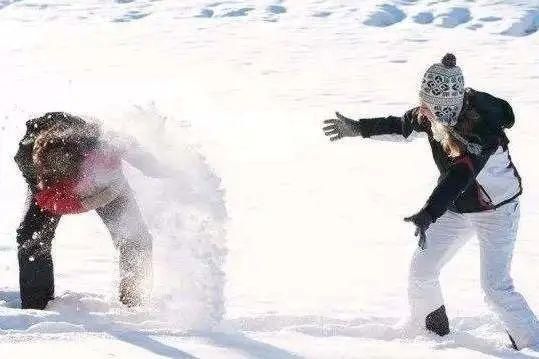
(439, 130)
(425, 111)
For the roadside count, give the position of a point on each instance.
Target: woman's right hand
(337, 128)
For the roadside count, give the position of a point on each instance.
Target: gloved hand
(341, 127)
(422, 220)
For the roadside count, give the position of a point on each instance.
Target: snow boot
(437, 322)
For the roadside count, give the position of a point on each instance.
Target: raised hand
(337, 128)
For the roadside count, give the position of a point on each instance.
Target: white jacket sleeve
(133, 153)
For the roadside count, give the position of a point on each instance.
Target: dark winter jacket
(470, 182)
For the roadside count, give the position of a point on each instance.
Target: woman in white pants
(477, 194)
(496, 231)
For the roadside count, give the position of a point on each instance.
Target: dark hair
(59, 151)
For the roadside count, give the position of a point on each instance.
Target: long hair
(59, 151)
(467, 120)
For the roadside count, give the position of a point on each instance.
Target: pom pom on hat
(449, 60)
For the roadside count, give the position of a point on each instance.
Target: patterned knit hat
(442, 90)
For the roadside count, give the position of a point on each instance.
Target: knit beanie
(442, 90)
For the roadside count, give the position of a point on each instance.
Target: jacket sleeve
(403, 126)
(133, 153)
(461, 174)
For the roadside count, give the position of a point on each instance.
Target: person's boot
(135, 276)
(130, 292)
(38, 300)
(437, 322)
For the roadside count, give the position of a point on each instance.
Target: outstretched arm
(136, 155)
(342, 126)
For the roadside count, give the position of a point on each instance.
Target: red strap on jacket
(465, 159)
(60, 199)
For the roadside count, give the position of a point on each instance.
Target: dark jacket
(462, 186)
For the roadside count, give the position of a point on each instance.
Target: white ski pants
(496, 231)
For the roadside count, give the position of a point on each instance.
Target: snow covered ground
(272, 243)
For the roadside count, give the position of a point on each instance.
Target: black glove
(422, 221)
(341, 127)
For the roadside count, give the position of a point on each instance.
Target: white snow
(270, 242)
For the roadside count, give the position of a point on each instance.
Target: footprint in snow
(386, 15)
(239, 12)
(273, 12)
(276, 9)
(490, 19)
(423, 18)
(455, 17)
(205, 13)
(322, 14)
(475, 26)
(131, 16)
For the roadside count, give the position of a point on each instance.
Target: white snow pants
(496, 230)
